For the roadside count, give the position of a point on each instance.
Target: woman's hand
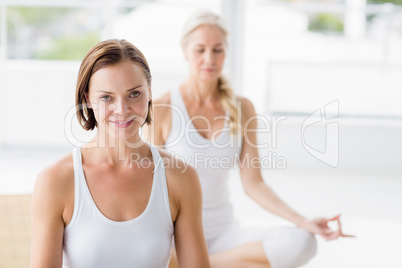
(320, 226)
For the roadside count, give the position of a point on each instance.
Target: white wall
(363, 146)
(37, 97)
(38, 102)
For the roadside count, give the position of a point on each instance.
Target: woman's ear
(87, 100)
(150, 94)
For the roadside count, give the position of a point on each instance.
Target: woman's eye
(218, 50)
(200, 50)
(105, 98)
(134, 94)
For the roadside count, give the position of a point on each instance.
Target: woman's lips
(122, 124)
(209, 70)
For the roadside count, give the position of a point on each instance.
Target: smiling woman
(120, 99)
(116, 76)
(95, 207)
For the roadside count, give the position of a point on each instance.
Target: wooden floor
(15, 231)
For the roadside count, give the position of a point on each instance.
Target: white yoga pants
(284, 247)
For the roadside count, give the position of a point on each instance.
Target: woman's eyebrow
(134, 88)
(108, 92)
(102, 91)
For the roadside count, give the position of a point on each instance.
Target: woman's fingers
(334, 218)
(331, 236)
(320, 227)
(340, 228)
(345, 235)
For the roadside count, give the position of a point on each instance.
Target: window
(42, 43)
(306, 55)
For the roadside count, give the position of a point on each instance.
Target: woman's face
(205, 52)
(119, 96)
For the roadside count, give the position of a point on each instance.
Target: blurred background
(325, 77)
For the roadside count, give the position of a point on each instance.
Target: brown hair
(103, 54)
(227, 96)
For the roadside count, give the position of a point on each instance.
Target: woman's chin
(120, 134)
(209, 77)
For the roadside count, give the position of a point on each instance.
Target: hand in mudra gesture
(320, 226)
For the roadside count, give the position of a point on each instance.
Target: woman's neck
(117, 152)
(200, 91)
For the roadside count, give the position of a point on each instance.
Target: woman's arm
(261, 193)
(48, 202)
(185, 188)
(250, 171)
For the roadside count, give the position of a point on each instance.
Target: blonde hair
(226, 94)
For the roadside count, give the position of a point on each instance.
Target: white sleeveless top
(213, 159)
(92, 240)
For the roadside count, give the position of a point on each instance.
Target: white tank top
(213, 159)
(93, 240)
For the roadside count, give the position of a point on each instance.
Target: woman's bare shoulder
(57, 176)
(245, 102)
(163, 99)
(247, 107)
(182, 180)
(178, 171)
(160, 126)
(161, 107)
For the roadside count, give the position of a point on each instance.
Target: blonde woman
(116, 201)
(202, 122)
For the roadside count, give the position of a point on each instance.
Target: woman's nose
(119, 107)
(209, 56)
